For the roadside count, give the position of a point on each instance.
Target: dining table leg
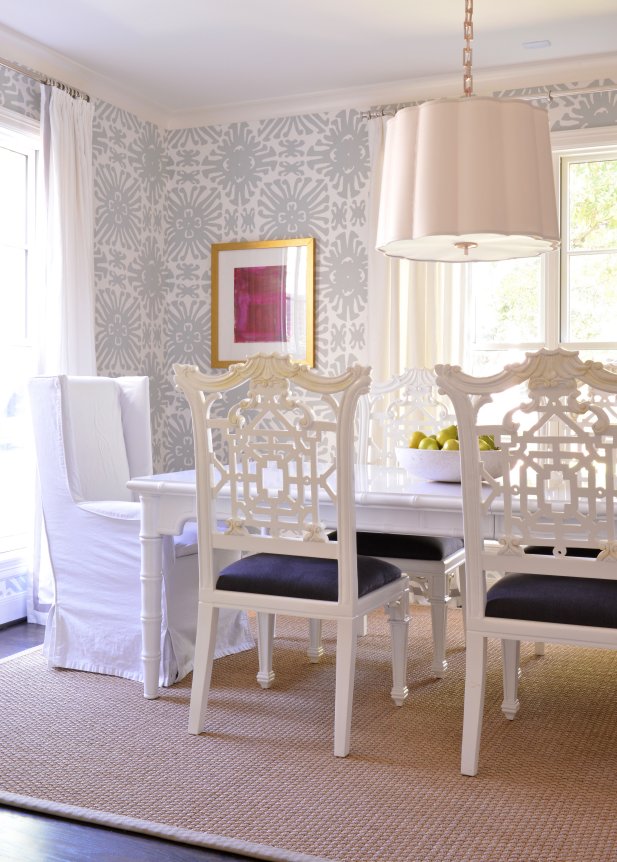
(151, 578)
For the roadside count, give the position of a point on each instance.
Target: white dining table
(388, 499)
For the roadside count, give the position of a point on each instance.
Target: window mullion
(552, 306)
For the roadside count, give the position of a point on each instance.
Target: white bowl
(442, 465)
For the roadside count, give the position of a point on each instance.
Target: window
(559, 299)
(19, 139)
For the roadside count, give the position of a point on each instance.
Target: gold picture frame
(263, 300)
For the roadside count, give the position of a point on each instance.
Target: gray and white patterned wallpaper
(162, 199)
(132, 280)
(19, 93)
(272, 179)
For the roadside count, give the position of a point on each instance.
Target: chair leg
(207, 624)
(475, 675)
(315, 648)
(398, 614)
(362, 629)
(511, 657)
(346, 641)
(538, 648)
(463, 591)
(265, 636)
(439, 599)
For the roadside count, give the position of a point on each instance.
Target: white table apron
(387, 500)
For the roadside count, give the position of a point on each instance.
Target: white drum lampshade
(468, 179)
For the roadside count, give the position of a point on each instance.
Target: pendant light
(468, 179)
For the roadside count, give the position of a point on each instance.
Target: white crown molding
(579, 70)
(33, 55)
(595, 138)
(574, 71)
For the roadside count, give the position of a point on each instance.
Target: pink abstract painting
(260, 304)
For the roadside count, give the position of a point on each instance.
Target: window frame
(567, 147)
(23, 135)
(593, 142)
(24, 138)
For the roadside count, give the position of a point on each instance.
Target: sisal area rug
(263, 780)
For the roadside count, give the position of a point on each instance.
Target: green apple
(449, 433)
(415, 439)
(451, 444)
(428, 443)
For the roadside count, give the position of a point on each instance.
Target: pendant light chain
(468, 34)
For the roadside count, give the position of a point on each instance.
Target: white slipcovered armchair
(92, 434)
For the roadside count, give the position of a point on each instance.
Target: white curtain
(416, 311)
(65, 300)
(68, 343)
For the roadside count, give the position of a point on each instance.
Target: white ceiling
(175, 60)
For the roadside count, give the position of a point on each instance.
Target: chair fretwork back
(271, 471)
(397, 407)
(558, 461)
(264, 454)
(559, 479)
(608, 400)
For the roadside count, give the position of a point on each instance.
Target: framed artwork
(263, 300)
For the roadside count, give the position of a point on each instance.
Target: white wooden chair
(259, 451)
(92, 434)
(556, 510)
(387, 416)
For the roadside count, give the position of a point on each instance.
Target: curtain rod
(43, 79)
(549, 94)
(370, 115)
(562, 94)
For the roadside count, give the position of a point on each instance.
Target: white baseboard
(12, 607)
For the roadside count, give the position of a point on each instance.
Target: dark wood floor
(16, 637)
(28, 837)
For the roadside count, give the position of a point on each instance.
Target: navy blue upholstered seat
(590, 553)
(405, 547)
(301, 577)
(551, 599)
(573, 601)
